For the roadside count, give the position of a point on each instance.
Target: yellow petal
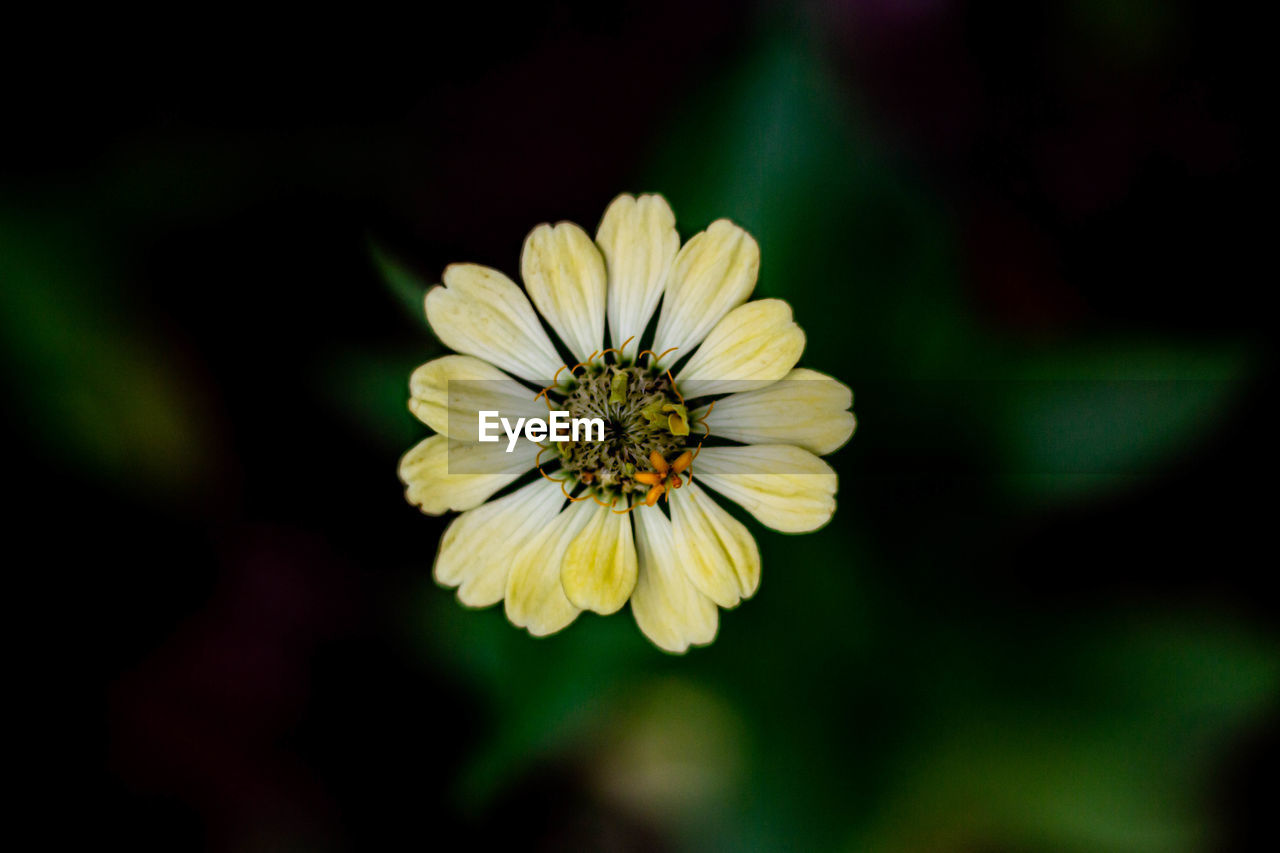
(424, 470)
(639, 242)
(805, 408)
(599, 570)
(757, 342)
(786, 488)
(717, 551)
(479, 311)
(535, 597)
(479, 546)
(477, 386)
(564, 273)
(715, 271)
(667, 606)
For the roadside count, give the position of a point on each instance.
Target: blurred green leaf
(1079, 419)
(1117, 757)
(371, 392)
(865, 258)
(408, 288)
(97, 384)
(548, 693)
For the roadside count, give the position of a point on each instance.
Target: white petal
(639, 242)
(668, 608)
(717, 551)
(754, 343)
(453, 410)
(428, 484)
(805, 408)
(478, 548)
(564, 274)
(714, 272)
(481, 312)
(535, 597)
(786, 488)
(599, 570)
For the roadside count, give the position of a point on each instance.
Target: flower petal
(599, 569)
(564, 274)
(715, 271)
(535, 597)
(478, 548)
(805, 408)
(479, 311)
(478, 386)
(756, 342)
(717, 551)
(668, 608)
(786, 488)
(639, 242)
(428, 484)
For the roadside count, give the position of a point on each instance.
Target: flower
(592, 532)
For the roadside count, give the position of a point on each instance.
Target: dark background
(1034, 238)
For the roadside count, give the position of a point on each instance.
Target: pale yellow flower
(592, 532)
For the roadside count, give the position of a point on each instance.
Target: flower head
(714, 400)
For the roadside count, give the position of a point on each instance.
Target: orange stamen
(619, 350)
(673, 386)
(547, 476)
(683, 461)
(545, 393)
(649, 478)
(652, 498)
(571, 498)
(703, 420)
(537, 463)
(659, 464)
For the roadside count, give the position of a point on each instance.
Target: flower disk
(642, 415)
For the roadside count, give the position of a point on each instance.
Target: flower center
(646, 422)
